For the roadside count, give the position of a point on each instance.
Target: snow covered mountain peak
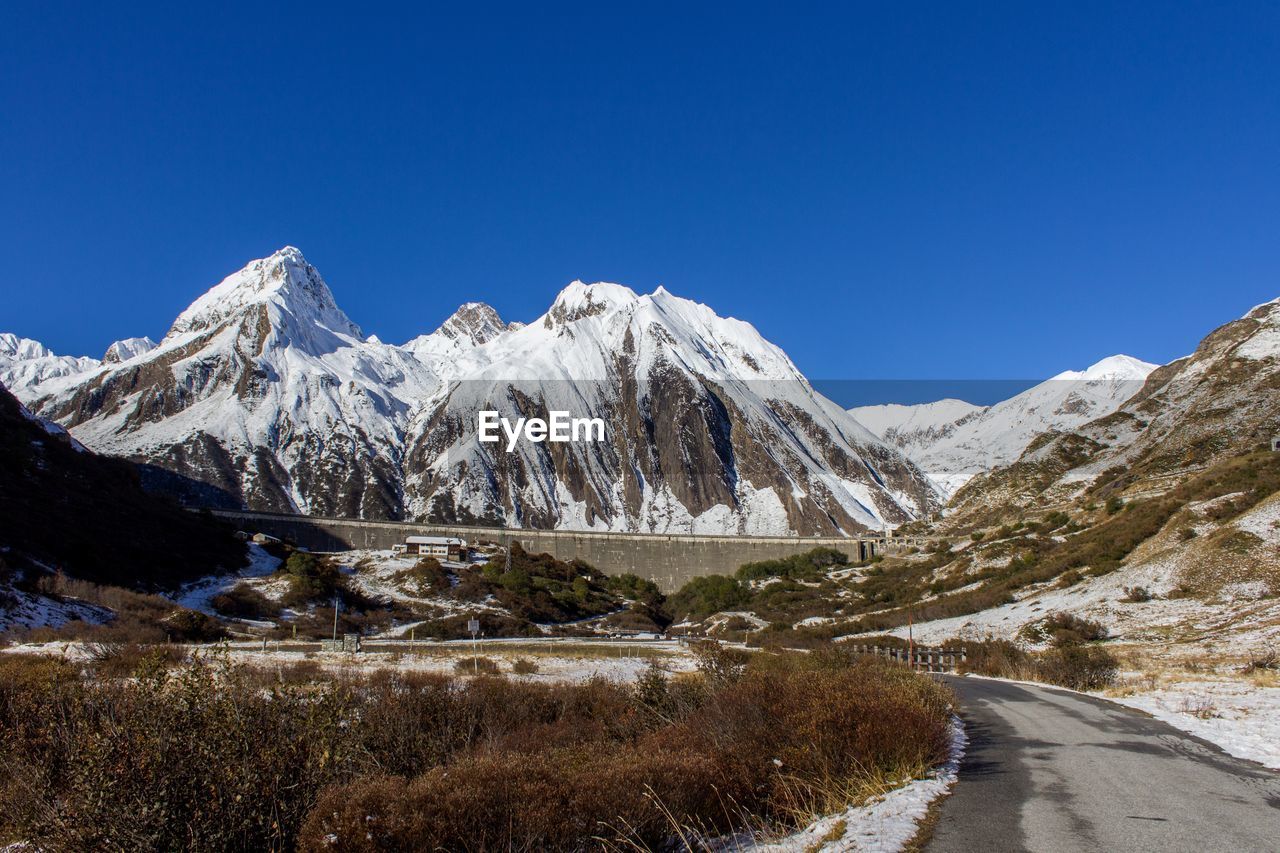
(1116, 367)
(954, 441)
(123, 350)
(25, 362)
(473, 325)
(580, 300)
(15, 347)
(475, 321)
(284, 281)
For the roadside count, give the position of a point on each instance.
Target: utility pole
(335, 623)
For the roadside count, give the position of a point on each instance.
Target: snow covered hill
(954, 441)
(265, 394)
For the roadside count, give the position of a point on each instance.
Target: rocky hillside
(1160, 520)
(1218, 402)
(264, 394)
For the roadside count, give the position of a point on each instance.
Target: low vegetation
(1071, 662)
(209, 756)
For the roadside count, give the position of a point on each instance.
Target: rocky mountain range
(264, 394)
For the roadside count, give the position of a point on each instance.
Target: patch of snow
(1241, 718)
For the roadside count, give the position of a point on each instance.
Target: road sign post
(473, 625)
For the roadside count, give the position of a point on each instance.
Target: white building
(440, 547)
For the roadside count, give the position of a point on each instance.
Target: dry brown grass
(210, 756)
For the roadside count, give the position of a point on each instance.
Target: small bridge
(669, 560)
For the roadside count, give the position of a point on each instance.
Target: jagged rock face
(709, 429)
(264, 394)
(1221, 400)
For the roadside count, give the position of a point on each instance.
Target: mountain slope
(1220, 401)
(64, 508)
(952, 450)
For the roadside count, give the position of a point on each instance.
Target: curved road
(1051, 770)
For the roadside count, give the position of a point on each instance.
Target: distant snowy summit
(264, 394)
(954, 441)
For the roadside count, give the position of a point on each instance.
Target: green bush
(810, 565)
(311, 578)
(708, 594)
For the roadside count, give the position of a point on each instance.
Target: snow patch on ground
(1241, 718)
(197, 596)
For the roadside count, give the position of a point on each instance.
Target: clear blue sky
(886, 190)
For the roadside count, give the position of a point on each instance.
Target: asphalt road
(1051, 770)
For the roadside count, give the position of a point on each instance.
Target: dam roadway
(669, 560)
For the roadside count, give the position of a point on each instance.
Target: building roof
(435, 540)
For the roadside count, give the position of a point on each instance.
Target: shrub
(200, 761)
(1079, 667)
(807, 566)
(524, 666)
(119, 660)
(997, 658)
(192, 626)
(426, 577)
(1264, 661)
(1136, 594)
(1070, 578)
(244, 602)
(478, 665)
(708, 594)
(1064, 629)
(311, 578)
(720, 664)
(781, 740)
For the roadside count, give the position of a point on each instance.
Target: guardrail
(919, 657)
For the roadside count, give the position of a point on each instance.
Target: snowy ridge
(26, 363)
(978, 440)
(126, 349)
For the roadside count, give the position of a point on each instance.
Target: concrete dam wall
(668, 560)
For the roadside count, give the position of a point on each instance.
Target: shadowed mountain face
(67, 508)
(267, 394)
